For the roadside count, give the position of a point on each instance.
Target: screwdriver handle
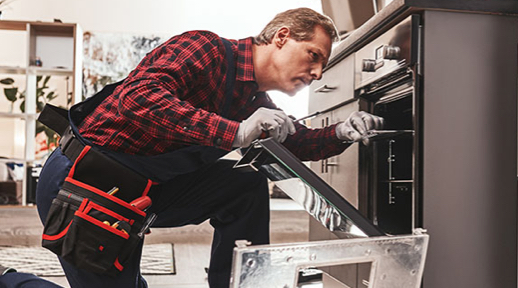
(113, 190)
(264, 135)
(141, 203)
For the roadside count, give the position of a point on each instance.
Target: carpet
(157, 259)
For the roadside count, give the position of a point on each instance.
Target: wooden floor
(20, 226)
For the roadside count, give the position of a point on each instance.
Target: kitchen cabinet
(42, 58)
(340, 171)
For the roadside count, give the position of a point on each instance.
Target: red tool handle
(264, 135)
(141, 203)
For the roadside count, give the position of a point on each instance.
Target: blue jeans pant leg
(24, 280)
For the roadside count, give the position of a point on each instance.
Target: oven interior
(387, 169)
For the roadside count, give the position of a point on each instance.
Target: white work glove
(274, 122)
(355, 127)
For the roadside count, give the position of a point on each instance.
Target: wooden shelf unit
(59, 45)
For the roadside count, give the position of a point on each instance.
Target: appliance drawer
(335, 87)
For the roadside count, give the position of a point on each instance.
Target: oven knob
(391, 52)
(369, 65)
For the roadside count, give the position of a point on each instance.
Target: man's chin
(293, 91)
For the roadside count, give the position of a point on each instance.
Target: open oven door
(396, 261)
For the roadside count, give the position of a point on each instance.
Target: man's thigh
(195, 197)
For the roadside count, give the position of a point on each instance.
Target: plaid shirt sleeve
(157, 94)
(314, 144)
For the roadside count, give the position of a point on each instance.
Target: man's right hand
(274, 122)
(357, 125)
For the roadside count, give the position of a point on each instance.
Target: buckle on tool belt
(67, 137)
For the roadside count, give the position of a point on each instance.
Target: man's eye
(313, 55)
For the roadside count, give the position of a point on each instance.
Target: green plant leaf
(40, 92)
(38, 78)
(47, 78)
(10, 93)
(7, 81)
(51, 95)
(22, 106)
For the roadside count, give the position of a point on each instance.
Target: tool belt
(88, 225)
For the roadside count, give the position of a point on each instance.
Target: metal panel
(399, 9)
(396, 261)
(469, 180)
(389, 52)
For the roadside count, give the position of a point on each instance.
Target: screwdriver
(122, 226)
(113, 190)
(265, 133)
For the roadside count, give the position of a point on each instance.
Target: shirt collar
(245, 64)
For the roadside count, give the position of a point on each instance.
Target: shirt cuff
(225, 133)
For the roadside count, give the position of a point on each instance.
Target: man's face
(298, 63)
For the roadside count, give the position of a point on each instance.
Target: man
(200, 96)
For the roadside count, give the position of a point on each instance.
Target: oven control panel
(393, 50)
(384, 52)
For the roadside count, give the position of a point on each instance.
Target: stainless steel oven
(387, 84)
(444, 77)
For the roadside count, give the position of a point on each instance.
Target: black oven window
(393, 168)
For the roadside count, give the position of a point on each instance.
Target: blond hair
(301, 22)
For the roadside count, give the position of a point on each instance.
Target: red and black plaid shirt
(172, 99)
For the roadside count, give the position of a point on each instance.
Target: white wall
(229, 18)
(235, 18)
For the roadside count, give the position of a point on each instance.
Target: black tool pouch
(80, 224)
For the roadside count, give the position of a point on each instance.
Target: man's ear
(282, 36)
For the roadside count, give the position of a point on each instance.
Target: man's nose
(316, 72)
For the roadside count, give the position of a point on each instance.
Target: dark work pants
(236, 202)
(24, 280)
